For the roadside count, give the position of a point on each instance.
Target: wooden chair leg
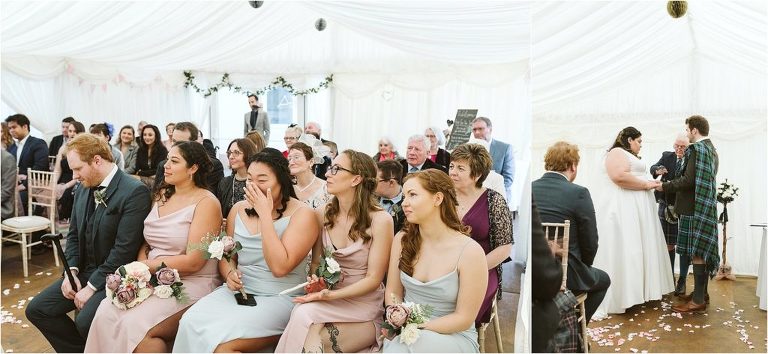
(497, 329)
(481, 338)
(584, 336)
(24, 254)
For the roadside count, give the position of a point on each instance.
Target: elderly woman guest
(292, 135)
(169, 131)
(231, 189)
(66, 183)
(128, 147)
(257, 139)
(387, 151)
(276, 231)
(437, 154)
(184, 211)
(486, 212)
(358, 234)
(150, 154)
(309, 189)
(433, 262)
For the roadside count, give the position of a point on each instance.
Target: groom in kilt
(696, 205)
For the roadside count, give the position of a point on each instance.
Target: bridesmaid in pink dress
(359, 234)
(184, 212)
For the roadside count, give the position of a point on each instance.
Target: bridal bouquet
(328, 272)
(404, 319)
(133, 283)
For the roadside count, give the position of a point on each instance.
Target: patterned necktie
(679, 167)
(413, 169)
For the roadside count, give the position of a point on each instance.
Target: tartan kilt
(670, 230)
(700, 244)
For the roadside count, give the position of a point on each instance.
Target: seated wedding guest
(669, 165)
(6, 138)
(277, 232)
(292, 134)
(8, 166)
(559, 199)
(309, 189)
(434, 262)
(59, 140)
(546, 277)
(334, 149)
(358, 235)
(486, 212)
(139, 129)
(169, 131)
(387, 151)
(494, 180)
(118, 228)
(104, 131)
(257, 140)
(150, 154)
(29, 151)
(187, 131)
(65, 186)
(128, 147)
(389, 189)
(416, 158)
(315, 129)
(184, 211)
(231, 189)
(437, 154)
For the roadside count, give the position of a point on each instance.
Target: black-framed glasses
(335, 169)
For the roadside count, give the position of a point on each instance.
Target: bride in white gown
(632, 248)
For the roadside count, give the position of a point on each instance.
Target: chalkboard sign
(462, 128)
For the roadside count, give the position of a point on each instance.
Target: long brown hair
(363, 202)
(433, 181)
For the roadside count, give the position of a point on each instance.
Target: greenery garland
(277, 82)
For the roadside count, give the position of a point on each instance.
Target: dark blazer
(34, 155)
(547, 274)
(685, 185)
(117, 230)
(669, 160)
(55, 145)
(559, 200)
(427, 164)
(443, 158)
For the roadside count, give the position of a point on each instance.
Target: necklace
(307, 186)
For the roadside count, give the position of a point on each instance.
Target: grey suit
(97, 245)
(8, 165)
(262, 123)
(503, 163)
(558, 199)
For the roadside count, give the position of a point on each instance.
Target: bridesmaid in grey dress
(270, 262)
(434, 262)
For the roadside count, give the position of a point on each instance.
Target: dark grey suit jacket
(117, 230)
(559, 200)
(669, 160)
(685, 185)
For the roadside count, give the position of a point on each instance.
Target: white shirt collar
(22, 141)
(110, 176)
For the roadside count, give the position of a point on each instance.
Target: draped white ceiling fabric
(598, 67)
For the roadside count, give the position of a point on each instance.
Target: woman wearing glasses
(292, 134)
(358, 235)
(437, 154)
(231, 189)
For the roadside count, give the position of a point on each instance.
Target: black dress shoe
(680, 288)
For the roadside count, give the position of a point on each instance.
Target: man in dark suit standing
(389, 189)
(30, 152)
(696, 206)
(59, 140)
(105, 232)
(416, 157)
(558, 199)
(667, 168)
(256, 119)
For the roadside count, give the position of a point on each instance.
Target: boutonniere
(395, 210)
(100, 197)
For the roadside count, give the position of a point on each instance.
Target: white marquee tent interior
(398, 67)
(600, 67)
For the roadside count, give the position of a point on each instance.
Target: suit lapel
(101, 209)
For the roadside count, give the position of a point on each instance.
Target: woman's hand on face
(259, 201)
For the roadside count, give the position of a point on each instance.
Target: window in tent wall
(282, 107)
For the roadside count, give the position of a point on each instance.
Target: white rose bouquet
(404, 319)
(219, 246)
(328, 272)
